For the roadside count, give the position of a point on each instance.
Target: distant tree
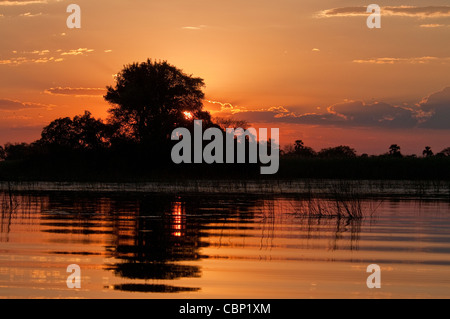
(338, 152)
(444, 153)
(394, 150)
(81, 132)
(427, 152)
(288, 150)
(150, 99)
(18, 151)
(301, 150)
(2, 153)
(299, 146)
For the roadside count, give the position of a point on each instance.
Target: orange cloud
(413, 60)
(14, 105)
(76, 91)
(21, 3)
(401, 11)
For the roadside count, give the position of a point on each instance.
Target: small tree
(394, 150)
(18, 151)
(444, 153)
(338, 152)
(81, 132)
(2, 153)
(427, 152)
(301, 150)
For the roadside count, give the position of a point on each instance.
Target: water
(217, 246)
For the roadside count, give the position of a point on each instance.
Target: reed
(343, 200)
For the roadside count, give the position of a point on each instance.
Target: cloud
(401, 11)
(14, 105)
(200, 27)
(432, 25)
(433, 112)
(21, 3)
(23, 60)
(45, 56)
(30, 15)
(411, 60)
(76, 91)
(80, 51)
(357, 113)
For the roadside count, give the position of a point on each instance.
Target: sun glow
(188, 115)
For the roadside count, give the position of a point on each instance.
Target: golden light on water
(177, 219)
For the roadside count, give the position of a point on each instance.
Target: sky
(312, 68)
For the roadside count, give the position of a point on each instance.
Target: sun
(188, 115)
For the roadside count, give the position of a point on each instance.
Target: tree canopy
(150, 99)
(81, 132)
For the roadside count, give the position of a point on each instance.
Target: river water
(141, 245)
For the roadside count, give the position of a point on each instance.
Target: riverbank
(137, 170)
(422, 189)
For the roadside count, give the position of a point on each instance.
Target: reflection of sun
(177, 215)
(188, 115)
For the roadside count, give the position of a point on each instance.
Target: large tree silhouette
(150, 99)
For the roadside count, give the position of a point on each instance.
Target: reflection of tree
(160, 237)
(147, 236)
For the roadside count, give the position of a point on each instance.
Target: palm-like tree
(394, 150)
(427, 152)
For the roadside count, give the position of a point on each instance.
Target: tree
(427, 152)
(394, 150)
(444, 153)
(18, 151)
(299, 146)
(300, 149)
(338, 152)
(150, 99)
(81, 132)
(2, 153)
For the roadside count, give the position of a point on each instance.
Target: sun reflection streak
(178, 217)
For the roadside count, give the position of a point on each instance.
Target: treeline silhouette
(342, 162)
(148, 101)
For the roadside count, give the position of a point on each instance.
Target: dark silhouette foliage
(394, 150)
(338, 152)
(81, 132)
(150, 99)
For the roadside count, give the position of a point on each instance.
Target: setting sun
(188, 115)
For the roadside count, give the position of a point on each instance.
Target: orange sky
(311, 68)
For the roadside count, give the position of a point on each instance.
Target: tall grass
(344, 200)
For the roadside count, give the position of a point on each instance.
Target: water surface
(217, 246)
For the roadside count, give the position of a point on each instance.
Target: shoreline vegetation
(132, 167)
(343, 189)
